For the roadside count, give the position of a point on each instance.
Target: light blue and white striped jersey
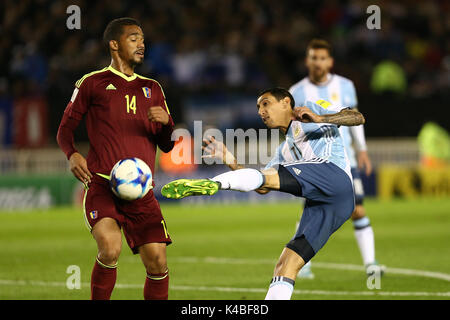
(313, 142)
(338, 90)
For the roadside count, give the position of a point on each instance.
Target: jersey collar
(122, 75)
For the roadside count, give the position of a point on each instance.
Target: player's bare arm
(78, 166)
(158, 114)
(345, 117)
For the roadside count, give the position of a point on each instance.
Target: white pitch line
(320, 265)
(242, 290)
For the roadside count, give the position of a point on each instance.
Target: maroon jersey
(115, 108)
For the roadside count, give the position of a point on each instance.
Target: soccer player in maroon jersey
(126, 116)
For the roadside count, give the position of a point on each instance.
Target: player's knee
(156, 264)
(358, 213)
(286, 268)
(109, 250)
(109, 255)
(283, 264)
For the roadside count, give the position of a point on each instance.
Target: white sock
(365, 239)
(280, 289)
(240, 180)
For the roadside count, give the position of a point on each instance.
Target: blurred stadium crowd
(196, 46)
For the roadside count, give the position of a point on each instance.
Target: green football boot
(190, 187)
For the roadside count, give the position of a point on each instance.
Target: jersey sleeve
(322, 107)
(163, 133)
(72, 116)
(80, 100)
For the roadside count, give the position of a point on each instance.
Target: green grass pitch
(229, 251)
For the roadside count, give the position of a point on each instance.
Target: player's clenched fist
(79, 168)
(158, 114)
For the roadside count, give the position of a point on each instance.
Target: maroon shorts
(145, 224)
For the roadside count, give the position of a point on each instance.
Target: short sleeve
(163, 102)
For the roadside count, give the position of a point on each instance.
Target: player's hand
(216, 149)
(364, 162)
(78, 166)
(158, 114)
(304, 114)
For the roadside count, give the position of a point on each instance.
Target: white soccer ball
(131, 179)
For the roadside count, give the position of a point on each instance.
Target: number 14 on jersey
(131, 104)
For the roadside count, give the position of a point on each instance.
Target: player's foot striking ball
(189, 187)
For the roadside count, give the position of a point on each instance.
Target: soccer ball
(130, 179)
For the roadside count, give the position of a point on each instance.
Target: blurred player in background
(310, 163)
(321, 84)
(126, 116)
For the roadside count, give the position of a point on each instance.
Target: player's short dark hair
(114, 29)
(279, 93)
(320, 44)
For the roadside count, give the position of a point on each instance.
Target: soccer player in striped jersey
(321, 84)
(310, 163)
(126, 116)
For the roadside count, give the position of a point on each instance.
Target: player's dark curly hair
(279, 93)
(114, 29)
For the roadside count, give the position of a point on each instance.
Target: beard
(318, 74)
(136, 61)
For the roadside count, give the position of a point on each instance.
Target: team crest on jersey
(93, 214)
(147, 92)
(297, 132)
